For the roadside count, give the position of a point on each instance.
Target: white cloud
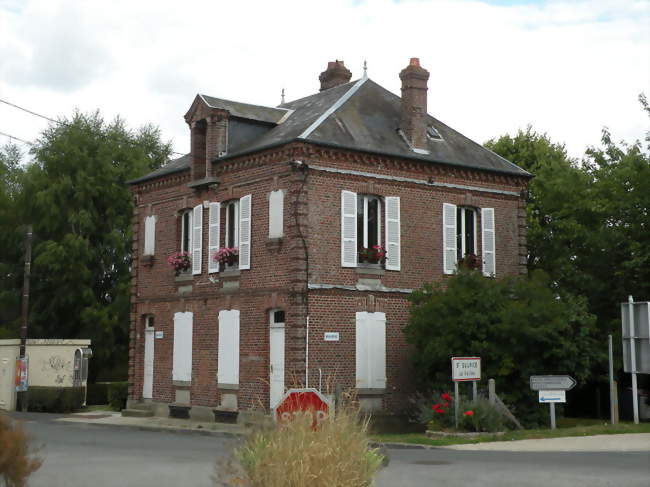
(566, 67)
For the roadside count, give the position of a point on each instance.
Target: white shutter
(487, 238)
(214, 222)
(393, 231)
(449, 238)
(150, 235)
(182, 358)
(276, 213)
(362, 351)
(348, 229)
(197, 238)
(228, 358)
(377, 350)
(245, 232)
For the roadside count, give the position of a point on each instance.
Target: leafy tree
(76, 196)
(518, 325)
(11, 248)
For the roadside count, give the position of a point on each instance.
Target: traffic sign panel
(552, 396)
(552, 382)
(465, 368)
(307, 402)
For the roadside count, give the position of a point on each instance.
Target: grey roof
(360, 115)
(245, 110)
(174, 165)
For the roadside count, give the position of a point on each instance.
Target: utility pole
(25, 312)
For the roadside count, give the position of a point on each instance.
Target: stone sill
(274, 243)
(370, 392)
(181, 383)
(231, 272)
(231, 387)
(147, 260)
(184, 277)
(371, 271)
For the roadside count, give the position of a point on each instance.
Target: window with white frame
(232, 224)
(370, 350)
(465, 232)
(186, 231)
(368, 221)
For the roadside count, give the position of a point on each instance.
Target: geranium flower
(469, 413)
(446, 404)
(446, 396)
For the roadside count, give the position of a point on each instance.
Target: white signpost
(552, 389)
(635, 318)
(464, 369)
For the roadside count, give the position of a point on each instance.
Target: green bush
(480, 415)
(117, 394)
(97, 393)
(55, 399)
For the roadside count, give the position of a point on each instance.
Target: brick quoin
(301, 272)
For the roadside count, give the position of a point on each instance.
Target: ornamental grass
(18, 458)
(338, 453)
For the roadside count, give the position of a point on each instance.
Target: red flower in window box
(470, 261)
(180, 261)
(373, 255)
(227, 255)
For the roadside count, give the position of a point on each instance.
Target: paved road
(86, 455)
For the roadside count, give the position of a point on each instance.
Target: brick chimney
(414, 104)
(335, 74)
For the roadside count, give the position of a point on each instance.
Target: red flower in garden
(446, 404)
(446, 396)
(469, 413)
(440, 411)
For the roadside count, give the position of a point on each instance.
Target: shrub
(435, 411)
(337, 453)
(55, 399)
(480, 415)
(18, 458)
(117, 394)
(97, 393)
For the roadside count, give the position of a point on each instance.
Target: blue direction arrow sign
(552, 396)
(552, 382)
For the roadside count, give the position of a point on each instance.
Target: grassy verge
(94, 407)
(568, 427)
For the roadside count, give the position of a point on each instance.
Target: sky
(566, 67)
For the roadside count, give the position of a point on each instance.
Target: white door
(276, 359)
(147, 385)
(7, 381)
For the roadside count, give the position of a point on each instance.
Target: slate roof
(360, 115)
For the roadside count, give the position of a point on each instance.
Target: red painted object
(303, 402)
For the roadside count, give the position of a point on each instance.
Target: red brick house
(306, 191)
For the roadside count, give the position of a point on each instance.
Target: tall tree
(11, 249)
(76, 196)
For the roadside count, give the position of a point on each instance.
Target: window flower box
(374, 256)
(228, 257)
(180, 262)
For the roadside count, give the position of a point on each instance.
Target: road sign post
(464, 369)
(552, 389)
(635, 321)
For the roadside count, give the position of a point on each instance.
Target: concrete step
(137, 413)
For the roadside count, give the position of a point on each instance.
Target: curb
(167, 429)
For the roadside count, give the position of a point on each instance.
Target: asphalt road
(86, 455)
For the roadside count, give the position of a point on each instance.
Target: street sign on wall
(465, 369)
(552, 382)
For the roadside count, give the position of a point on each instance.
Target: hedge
(117, 394)
(97, 394)
(55, 399)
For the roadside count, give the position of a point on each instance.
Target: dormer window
(432, 133)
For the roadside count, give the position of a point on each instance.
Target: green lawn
(566, 427)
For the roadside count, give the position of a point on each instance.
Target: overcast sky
(567, 67)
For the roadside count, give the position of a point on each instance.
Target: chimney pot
(413, 117)
(336, 74)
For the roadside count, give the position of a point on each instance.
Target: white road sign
(465, 368)
(552, 382)
(552, 396)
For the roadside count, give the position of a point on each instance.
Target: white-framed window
(465, 232)
(368, 221)
(149, 321)
(186, 231)
(232, 224)
(182, 354)
(149, 235)
(228, 353)
(370, 350)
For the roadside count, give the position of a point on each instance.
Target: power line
(30, 112)
(16, 138)
(46, 118)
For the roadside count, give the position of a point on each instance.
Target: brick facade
(301, 273)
